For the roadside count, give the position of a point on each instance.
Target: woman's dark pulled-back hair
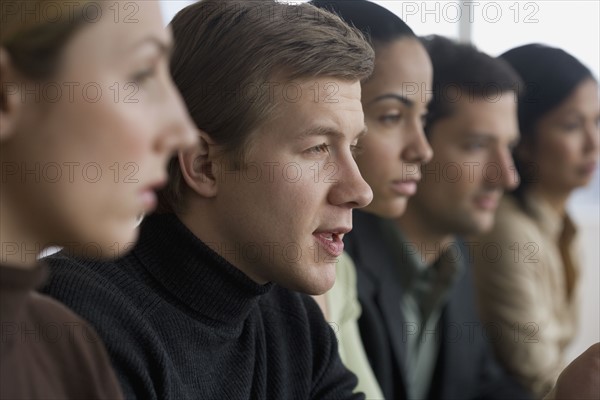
(377, 23)
(550, 75)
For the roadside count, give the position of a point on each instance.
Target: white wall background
(497, 26)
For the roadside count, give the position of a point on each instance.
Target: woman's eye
(142, 76)
(322, 148)
(390, 118)
(570, 126)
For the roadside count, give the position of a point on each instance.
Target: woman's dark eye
(143, 75)
(392, 118)
(571, 126)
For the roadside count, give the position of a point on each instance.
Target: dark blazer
(466, 367)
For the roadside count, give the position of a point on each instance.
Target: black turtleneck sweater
(180, 322)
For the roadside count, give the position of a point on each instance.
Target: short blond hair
(224, 50)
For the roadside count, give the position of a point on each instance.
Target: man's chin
(480, 223)
(319, 283)
(484, 224)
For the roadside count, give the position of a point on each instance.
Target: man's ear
(10, 93)
(198, 166)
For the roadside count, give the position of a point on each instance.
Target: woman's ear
(198, 166)
(10, 93)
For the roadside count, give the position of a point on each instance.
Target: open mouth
(331, 242)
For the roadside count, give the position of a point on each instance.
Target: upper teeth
(328, 236)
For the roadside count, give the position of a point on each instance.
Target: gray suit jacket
(466, 367)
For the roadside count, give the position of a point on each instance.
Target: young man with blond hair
(203, 307)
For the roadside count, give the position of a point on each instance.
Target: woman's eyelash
(356, 150)
(391, 118)
(142, 76)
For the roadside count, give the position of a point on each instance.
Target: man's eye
(322, 148)
(475, 146)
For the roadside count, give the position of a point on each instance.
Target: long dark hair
(550, 75)
(377, 23)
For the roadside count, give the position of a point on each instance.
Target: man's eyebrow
(400, 98)
(480, 135)
(488, 137)
(327, 131)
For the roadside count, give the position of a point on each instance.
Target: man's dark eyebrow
(480, 135)
(326, 131)
(398, 97)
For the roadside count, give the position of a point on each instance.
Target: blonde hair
(223, 48)
(34, 32)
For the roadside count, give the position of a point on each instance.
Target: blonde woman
(88, 120)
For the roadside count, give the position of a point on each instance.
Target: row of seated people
(276, 122)
(430, 239)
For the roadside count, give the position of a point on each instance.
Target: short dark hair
(550, 75)
(379, 25)
(224, 47)
(471, 72)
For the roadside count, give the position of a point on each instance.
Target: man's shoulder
(97, 290)
(285, 303)
(71, 275)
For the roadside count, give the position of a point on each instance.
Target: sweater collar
(193, 273)
(559, 227)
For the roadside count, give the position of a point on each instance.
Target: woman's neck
(18, 247)
(556, 199)
(429, 238)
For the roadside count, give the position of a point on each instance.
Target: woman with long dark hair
(530, 289)
(394, 101)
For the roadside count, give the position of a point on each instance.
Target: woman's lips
(331, 242)
(589, 168)
(148, 195)
(488, 203)
(149, 200)
(405, 188)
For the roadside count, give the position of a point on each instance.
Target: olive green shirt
(425, 293)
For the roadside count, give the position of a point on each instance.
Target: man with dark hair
(201, 308)
(419, 324)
